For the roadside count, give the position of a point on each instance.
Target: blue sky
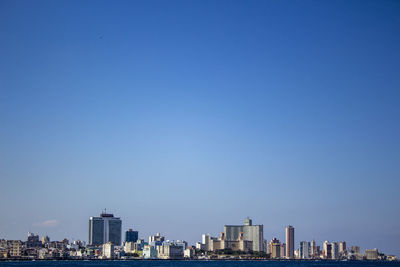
(183, 116)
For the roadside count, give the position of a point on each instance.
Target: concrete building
(275, 249)
(16, 248)
(335, 250)
(371, 254)
(283, 250)
(331, 250)
(156, 240)
(108, 250)
(205, 241)
(342, 248)
(33, 241)
(149, 252)
(289, 242)
(355, 249)
(188, 253)
(235, 245)
(254, 233)
(170, 251)
(130, 247)
(131, 236)
(313, 249)
(104, 229)
(304, 252)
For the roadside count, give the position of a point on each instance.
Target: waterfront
(203, 263)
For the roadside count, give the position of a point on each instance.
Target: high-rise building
(275, 249)
(254, 233)
(331, 250)
(304, 252)
(131, 236)
(290, 242)
(205, 241)
(335, 250)
(104, 229)
(342, 248)
(283, 250)
(313, 249)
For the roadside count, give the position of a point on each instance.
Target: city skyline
(244, 241)
(182, 116)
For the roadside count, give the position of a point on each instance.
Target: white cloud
(47, 223)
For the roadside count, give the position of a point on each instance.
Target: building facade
(254, 233)
(104, 229)
(131, 236)
(170, 251)
(304, 250)
(275, 249)
(235, 245)
(290, 242)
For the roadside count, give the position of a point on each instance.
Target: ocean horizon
(201, 263)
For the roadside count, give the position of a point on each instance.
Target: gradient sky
(182, 116)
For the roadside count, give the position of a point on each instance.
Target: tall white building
(304, 250)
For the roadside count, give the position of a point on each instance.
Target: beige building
(16, 248)
(237, 245)
(108, 250)
(371, 254)
(170, 251)
(275, 249)
(290, 242)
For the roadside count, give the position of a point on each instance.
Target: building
(188, 253)
(290, 242)
(104, 229)
(45, 240)
(313, 249)
(131, 236)
(170, 251)
(149, 252)
(108, 250)
(304, 252)
(275, 249)
(342, 248)
(371, 254)
(335, 250)
(131, 247)
(283, 250)
(331, 250)
(156, 240)
(355, 249)
(16, 248)
(235, 245)
(254, 233)
(33, 241)
(205, 241)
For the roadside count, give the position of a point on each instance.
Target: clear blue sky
(183, 116)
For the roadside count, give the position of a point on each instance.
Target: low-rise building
(149, 252)
(16, 248)
(108, 250)
(170, 251)
(371, 254)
